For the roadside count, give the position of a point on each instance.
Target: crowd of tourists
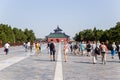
(95, 48)
(33, 46)
(90, 49)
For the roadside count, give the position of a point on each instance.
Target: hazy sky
(72, 16)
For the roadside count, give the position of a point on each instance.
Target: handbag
(5, 50)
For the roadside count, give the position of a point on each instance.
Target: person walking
(82, 49)
(31, 46)
(66, 50)
(71, 47)
(37, 46)
(48, 47)
(88, 47)
(52, 50)
(95, 51)
(33, 49)
(26, 46)
(118, 49)
(113, 51)
(104, 50)
(6, 46)
(76, 48)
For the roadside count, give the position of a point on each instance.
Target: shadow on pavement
(42, 60)
(113, 61)
(83, 62)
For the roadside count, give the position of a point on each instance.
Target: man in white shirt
(6, 46)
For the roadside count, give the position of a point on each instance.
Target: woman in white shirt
(66, 50)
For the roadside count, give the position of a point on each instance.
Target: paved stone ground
(32, 68)
(82, 68)
(77, 68)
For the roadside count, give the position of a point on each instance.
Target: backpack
(103, 49)
(97, 50)
(88, 46)
(75, 46)
(52, 46)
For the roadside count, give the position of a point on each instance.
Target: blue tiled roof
(57, 35)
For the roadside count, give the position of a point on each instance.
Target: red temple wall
(57, 39)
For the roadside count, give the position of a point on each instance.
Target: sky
(72, 16)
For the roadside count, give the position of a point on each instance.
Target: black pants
(119, 55)
(6, 50)
(52, 52)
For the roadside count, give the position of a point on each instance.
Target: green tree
(113, 34)
(15, 35)
(30, 35)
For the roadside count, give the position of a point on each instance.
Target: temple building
(57, 36)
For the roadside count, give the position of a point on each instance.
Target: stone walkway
(41, 68)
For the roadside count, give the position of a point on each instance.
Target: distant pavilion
(57, 36)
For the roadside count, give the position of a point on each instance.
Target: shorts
(52, 52)
(88, 50)
(66, 51)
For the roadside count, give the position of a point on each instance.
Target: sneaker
(94, 63)
(66, 60)
(112, 57)
(104, 63)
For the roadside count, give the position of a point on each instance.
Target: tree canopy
(15, 35)
(113, 34)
